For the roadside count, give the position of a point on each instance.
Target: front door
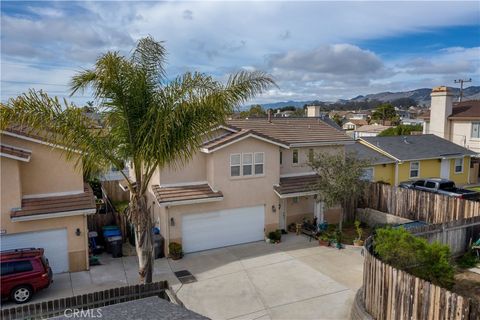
(445, 169)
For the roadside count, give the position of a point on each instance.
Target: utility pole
(462, 81)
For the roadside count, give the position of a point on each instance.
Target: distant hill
(421, 97)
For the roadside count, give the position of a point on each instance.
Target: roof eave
(53, 215)
(187, 202)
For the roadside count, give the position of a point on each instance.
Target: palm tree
(148, 120)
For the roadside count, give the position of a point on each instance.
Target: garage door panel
(53, 241)
(222, 228)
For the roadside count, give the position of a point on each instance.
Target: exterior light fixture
(78, 232)
(172, 222)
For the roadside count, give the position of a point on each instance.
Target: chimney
(269, 115)
(313, 111)
(440, 109)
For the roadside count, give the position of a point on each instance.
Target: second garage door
(53, 241)
(222, 228)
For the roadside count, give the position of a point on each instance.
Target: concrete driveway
(295, 279)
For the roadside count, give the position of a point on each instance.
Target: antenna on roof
(462, 81)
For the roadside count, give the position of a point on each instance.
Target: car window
(7, 268)
(430, 184)
(22, 266)
(419, 183)
(447, 186)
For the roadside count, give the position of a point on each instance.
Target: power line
(462, 81)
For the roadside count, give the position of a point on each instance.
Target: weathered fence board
(418, 205)
(389, 293)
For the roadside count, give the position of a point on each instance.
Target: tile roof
(293, 130)
(464, 109)
(364, 153)
(417, 147)
(179, 194)
(28, 132)
(57, 204)
(233, 136)
(295, 185)
(14, 152)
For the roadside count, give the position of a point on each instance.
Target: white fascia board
(19, 136)
(187, 202)
(297, 194)
(6, 155)
(250, 135)
(54, 215)
(314, 144)
(183, 184)
(53, 194)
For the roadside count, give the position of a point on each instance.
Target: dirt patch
(467, 284)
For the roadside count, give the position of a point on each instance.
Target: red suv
(24, 272)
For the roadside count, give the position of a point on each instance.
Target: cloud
(187, 14)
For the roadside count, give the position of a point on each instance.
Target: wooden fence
(389, 293)
(57, 307)
(458, 234)
(418, 205)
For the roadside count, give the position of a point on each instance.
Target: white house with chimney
(458, 122)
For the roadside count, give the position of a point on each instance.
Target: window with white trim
(247, 164)
(367, 174)
(295, 156)
(459, 165)
(259, 158)
(475, 130)
(414, 169)
(235, 160)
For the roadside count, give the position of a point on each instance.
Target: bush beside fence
(418, 205)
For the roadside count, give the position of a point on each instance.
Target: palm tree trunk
(141, 219)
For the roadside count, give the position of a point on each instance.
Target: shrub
(402, 250)
(468, 260)
(175, 249)
(275, 235)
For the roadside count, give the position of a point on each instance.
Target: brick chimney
(313, 111)
(440, 109)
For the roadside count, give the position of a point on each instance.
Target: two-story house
(249, 177)
(44, 201)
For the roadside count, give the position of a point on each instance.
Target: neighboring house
(457, 122)
(354, 124)
(283, 114)
(44, 201)
(249, 177)
(399, 158)
(370, 130)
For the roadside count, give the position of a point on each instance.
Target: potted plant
(175, 250)
(275, 236)
(338, 239)
(358, 242)
(324, 239)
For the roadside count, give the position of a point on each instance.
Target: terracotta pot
(323, 243)
(358, 243)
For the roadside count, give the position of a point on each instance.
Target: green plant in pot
(324, 239)
(175, 250)
(358, 242)
(275, 236)
(338, 239)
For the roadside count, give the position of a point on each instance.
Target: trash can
(110, 231)
(115, 243)
(158, 245)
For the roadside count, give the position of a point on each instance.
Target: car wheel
(21, 294)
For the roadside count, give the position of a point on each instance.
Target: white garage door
(216, 229)
(53, 241)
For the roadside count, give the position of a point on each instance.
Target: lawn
(477, 188)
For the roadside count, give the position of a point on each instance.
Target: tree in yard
(401, 130)
(148, 120)
(339, 180)
(385, 112)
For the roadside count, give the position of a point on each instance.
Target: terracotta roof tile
(6, 150)
(185, 193)
(299, 184)
(293, 130)
(232, 136)
(49, 205)
(464, 109)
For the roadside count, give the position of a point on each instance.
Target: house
(44, 201)
(399, 158)
(249, 177)
(354, 124)
(371, 130)
(456, 122)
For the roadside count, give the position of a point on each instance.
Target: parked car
(24, 272)
(440, 186)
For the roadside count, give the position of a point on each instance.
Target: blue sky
(314, 50)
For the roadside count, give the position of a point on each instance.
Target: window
(459, 165)
(247, 164)
(16, 267)
(475, 130)
(295, 199)
(281, 157)
(235, 165)
(419, 183)
(295, 156)
(259, 162)
(430, 185)
(367, 174)
(310, 155)
(414, 169)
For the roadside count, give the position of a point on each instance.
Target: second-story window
(247, 164)
(475, 130)
(295, 156)
(235, 164)
(259, 162)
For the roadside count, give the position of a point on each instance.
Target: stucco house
(249, 177)
(44, 201)
(399, 158)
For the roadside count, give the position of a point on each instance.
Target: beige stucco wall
(47, 171)
(289, 168)
(461, 134)
(191, 171)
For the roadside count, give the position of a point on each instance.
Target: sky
(325, 50)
